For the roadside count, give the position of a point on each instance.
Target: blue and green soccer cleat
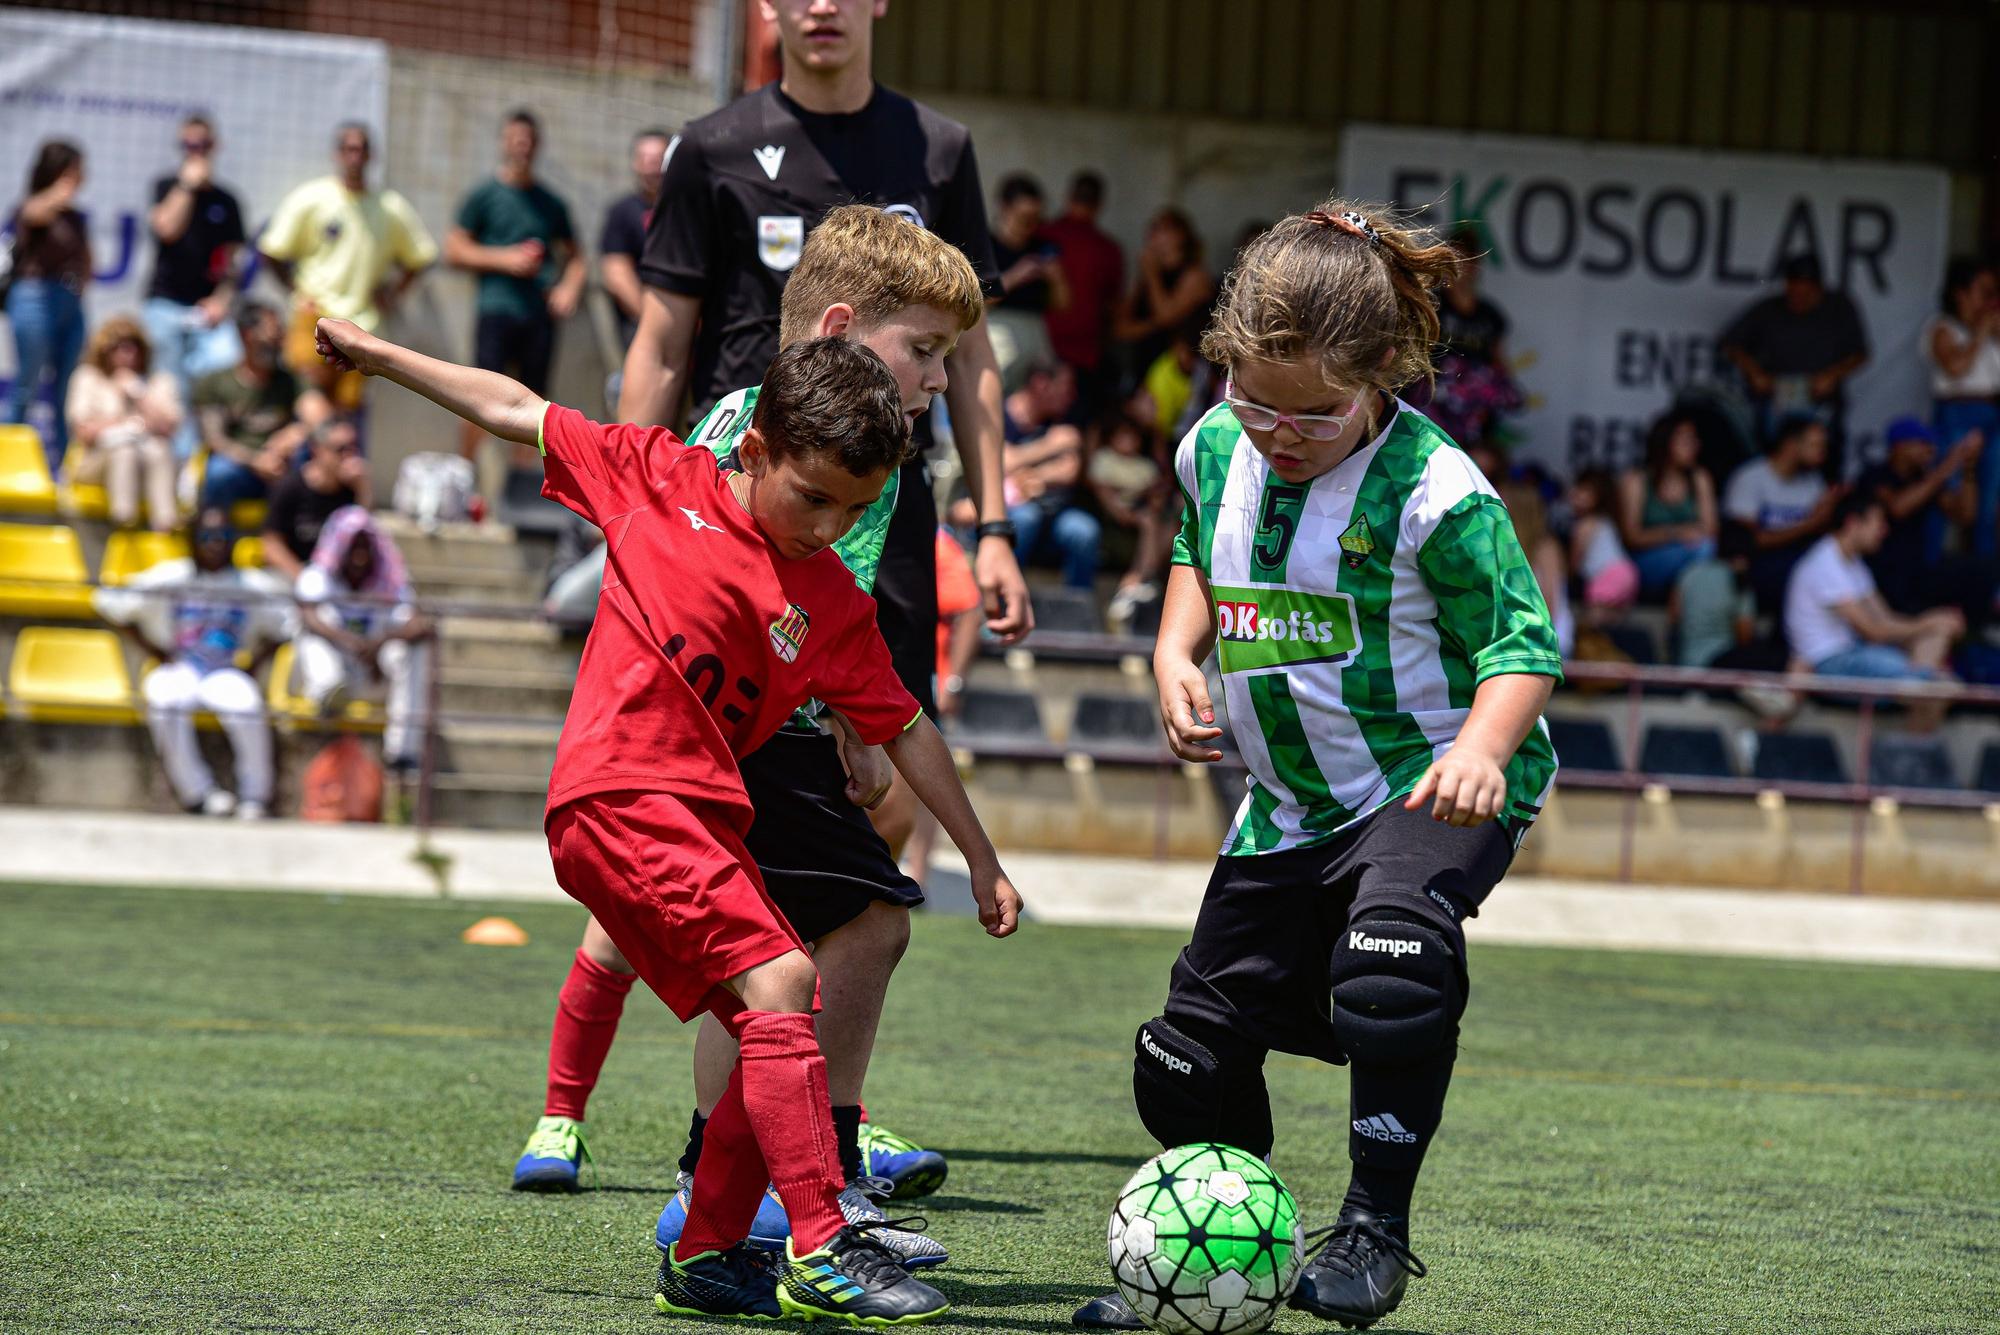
(855, 1279)
(555, 1152)
(740, 1282)
(914, 1172)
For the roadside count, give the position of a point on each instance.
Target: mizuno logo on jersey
(770, 157)
(695, 521)
(1276, 627)
(788, 633)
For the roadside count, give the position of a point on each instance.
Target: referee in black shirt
(742, 186)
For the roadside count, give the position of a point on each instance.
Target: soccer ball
(1205, 1241)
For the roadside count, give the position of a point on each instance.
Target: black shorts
(822, 861)
(906, 585)
(1263, 942)
(520, 346)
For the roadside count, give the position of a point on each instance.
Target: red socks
(587, 1011)
(775, 1124)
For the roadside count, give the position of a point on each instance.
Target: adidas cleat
(739, 1282)
(1359, 1276)
(915, 1172)
(1111, 1312)
(914, 1249)
(855, 1279)
(768, 1230)
(554, 1153)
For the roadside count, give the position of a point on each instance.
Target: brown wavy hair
(1356, 298)
(109, 335)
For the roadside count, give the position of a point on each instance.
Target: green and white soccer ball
(1205, 1240)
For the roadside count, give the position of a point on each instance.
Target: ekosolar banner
(118, 89)
(1618, 268)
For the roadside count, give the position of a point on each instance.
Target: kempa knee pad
(1396, 990)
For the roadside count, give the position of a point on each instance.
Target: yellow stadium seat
(42, 573)
(362, 714)
(80, 500)
(248, 553)
(65, 675)
(130, 551)
(248, 516)
(25, 485)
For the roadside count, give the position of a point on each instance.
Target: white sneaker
(251, 811)
(218, 803)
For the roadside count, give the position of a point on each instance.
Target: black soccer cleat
(1111, 1312)
(1359, 1276)
(857, 1279)
(739, 1282)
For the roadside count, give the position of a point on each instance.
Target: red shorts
(671, 884)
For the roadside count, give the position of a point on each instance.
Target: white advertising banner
(118, 88)
(1618, 268)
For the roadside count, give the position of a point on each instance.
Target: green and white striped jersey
(860, 549)
(1356, 614)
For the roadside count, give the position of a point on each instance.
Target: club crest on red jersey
(788, 633)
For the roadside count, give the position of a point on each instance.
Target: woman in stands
(44, 286)
(1666, 511)
(124, 415)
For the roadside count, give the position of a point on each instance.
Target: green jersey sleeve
(1491, 615)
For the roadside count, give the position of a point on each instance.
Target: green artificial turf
(240, 1112)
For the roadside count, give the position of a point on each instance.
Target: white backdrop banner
(1619, 267)
(118, 88)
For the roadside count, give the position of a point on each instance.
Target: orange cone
(494, 932)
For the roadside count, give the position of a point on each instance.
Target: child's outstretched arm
(497, 405)
(925, 763)
(1467, 785)
(1187, 633)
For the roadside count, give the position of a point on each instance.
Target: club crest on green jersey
(788, 633)
(1357, 542)
(1266, 626)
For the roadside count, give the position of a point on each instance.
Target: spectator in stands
(360, 632)
(1608, 576)
(1666, 510)
(1545, 556)
(1473, 388)
(1838, 624)
(1962, 345)
(334, 243)
(254, 416)
(1093, 272)
(515, 234)
(623, 239)
(198, 226)
(211, 626)
(124, 415)
(1715, 619)
(1783, 501)
(1130, 489)
(1031, 276)
(1797, 349)
(51, 267)
(1170, 297)
(1922, 495)
(332, 477)
(1044, 464)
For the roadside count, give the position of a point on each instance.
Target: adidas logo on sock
(1385, 1127)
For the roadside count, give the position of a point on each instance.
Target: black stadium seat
(1584, 744)
(1910, 762)
(1634, 641)
(1698, 753)
(1989, 769)
(1065, 610)
(1798, 757)
(1117, 720)
(985, 714)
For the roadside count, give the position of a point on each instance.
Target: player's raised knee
(786, 983)
(1397, 993)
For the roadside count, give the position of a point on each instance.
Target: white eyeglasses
(1313, 426)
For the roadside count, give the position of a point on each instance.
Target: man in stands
(1093, 271)
(198, 226)
(1923, 494)
(1782, 500)
(623, 241)
(1796, 350)
(1044, 475)
(253, 416)
(332, 477)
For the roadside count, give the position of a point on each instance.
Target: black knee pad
(1196, 1089)
(1397, 990)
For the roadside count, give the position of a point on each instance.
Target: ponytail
(1347, 285)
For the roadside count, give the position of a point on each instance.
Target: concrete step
(490, 801)
(505, 693)
(507, 642)
(492, 588)
(474, 750)
(490, 546)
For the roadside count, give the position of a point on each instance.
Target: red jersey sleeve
(604, 471)
(861, 681)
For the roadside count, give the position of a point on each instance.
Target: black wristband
(997, 528)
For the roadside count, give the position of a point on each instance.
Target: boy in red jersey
(723, 610)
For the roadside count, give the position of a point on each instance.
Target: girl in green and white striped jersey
(1385, 655)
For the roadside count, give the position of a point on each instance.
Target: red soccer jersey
(706, 639)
